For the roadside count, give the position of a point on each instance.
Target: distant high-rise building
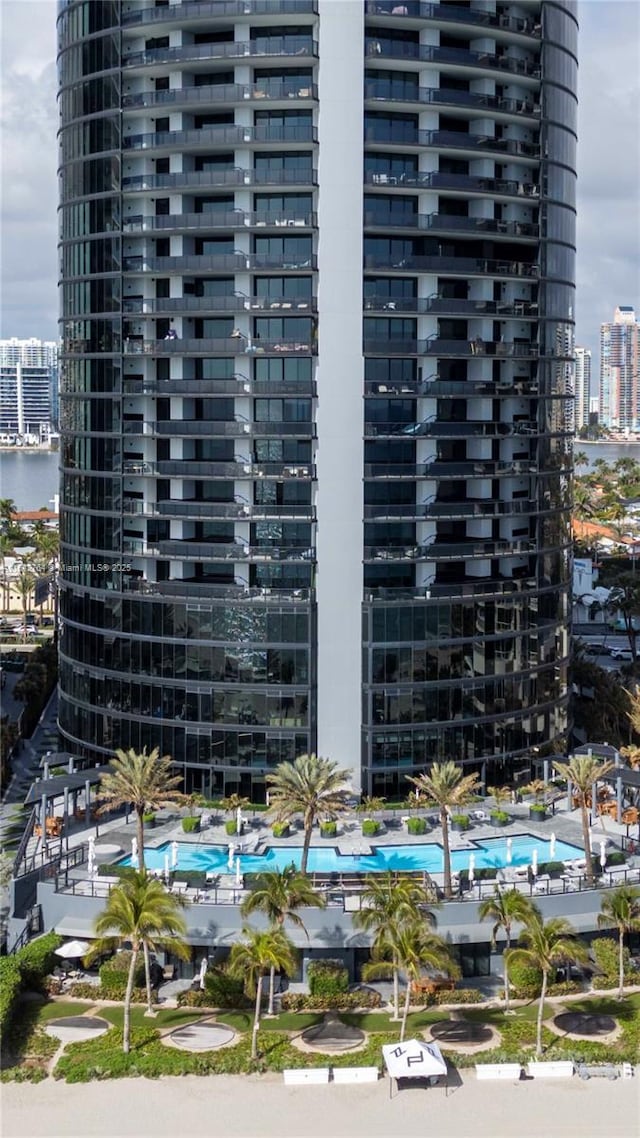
(619, 368)
(582, 387)
(317, 267)
(28, 386)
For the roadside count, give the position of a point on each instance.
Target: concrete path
(262, 1107)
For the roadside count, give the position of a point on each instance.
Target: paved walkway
(262, 1107)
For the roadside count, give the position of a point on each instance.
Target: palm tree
(388, 902)
(446, 786)
(545, 947)
(584, 771)
(620, 909)
(25, 583)
(142, 780)
(504, 908)
(415, 948)
(141, 912)
(279, 895)
(310, 786)
(253, 958)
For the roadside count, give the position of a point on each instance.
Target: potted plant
(500, 817)
(368, 807)
(148, 821)
(280, 829)
(537, 808)
(460, 822)
(328, 829)
(191, 824)
(500, 795)
(370, 828)
(416, 826)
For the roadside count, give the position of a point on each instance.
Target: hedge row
(347, 1001)
(23, 971)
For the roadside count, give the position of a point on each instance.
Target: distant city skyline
(608, 275)
(619, 388)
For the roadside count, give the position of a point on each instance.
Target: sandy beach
(262, 1107)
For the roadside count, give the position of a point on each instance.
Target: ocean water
(490, 852)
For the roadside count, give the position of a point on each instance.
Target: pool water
(424, 856)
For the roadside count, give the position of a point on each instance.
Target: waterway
(29, 477)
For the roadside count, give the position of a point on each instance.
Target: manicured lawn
(528, 1013)
(59, 1008)
(168, 1017)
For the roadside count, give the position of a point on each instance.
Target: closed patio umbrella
(204, 964)
(73, 949)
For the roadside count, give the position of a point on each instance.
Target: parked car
(622, 654)
(20, 630)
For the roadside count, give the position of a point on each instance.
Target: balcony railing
(232, 345)
(397, 91)
(218, 262)
(449, 139)
(210, 551)
(465, 266)
(236, 303)
(219, 219)
(208, 137)
(211, 9)
(449, 14)
(457, 551)
(435, 428)
(299, 46)
(449, 307)
(188, 468)
(448, 223)
(205, 179)
(222, 93)
(380, 48)
(438, 347)
(465, 183)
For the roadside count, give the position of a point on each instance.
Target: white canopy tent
(414, 1059)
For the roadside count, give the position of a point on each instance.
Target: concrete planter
(460, 827)
(499, 823)
(537, 815)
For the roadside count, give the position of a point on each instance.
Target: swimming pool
(489, 852)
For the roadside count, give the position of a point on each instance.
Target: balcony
(456, 266)
(235, 262)
(449, 140)
(202, 305)
(224, 136)
(211, 220)
(449, 223)
(395, 91)
(236, 551)
(444, 348)
(456, 58)
(230, 428)
(460, 183)
(276, 47)
(451, 307)
(207, 179)
(443, 429)
(238, 385)
(235, 510)
(188, 468)
(281, 91)
(447, 14)
(231, 346)
(445, 551)
(193, 10)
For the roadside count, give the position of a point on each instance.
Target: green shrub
(537, 808)
(327, 978)
(566, 988)
(484, 873)
(93, 992)
(370, 828)
(553, 868)
(230, 827)
(191, 825)
(525, 981)
(223, 990)
(37, 959)
(113, 870)
(462, 821)
(616, 857)
(606, 955)
(280, 829)
(114, 974)
(149, 819)
(328, 829)
(416, 826)
(346, 1001)
(190, 999)
(500, 816)
(458, 996)
(10, 986)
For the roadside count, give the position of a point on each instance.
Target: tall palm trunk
(621, 963)
(586, 837)
(543, 994)
(145, 946)
(256, 1020)
(308, 827)
(506, 970)
(147, 978)
(405, 1010)
(126, 1026)
(396, 990)
(446, 853)
(272, 990)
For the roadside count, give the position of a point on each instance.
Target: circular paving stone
(200, 1037)
(585, 1023)
(75, 1029)
(332, 1035)
(461, 1031)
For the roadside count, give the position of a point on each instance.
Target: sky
(608, 271)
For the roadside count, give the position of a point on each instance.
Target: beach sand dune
(262, 1107)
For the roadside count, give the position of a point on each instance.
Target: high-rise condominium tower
(28, 387)
(620, 371)
(582, 387)
(317, 308)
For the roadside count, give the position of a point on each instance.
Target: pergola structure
(623, 778)
(67, 787)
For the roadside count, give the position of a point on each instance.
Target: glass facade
(190, 145)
